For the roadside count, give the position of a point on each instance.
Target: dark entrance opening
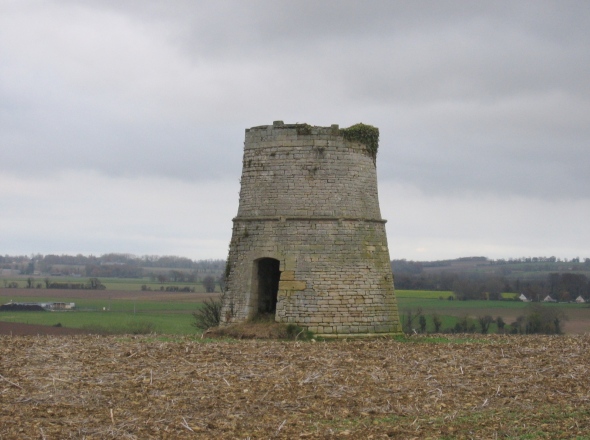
(268, 285)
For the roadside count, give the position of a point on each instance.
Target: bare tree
(437, 322)
(484, 323)
(540, 319)
(209, 315)
(501, 324)
(409, 317)
(209, 284)
(422, 321)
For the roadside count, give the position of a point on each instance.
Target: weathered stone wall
(309, 200)
(285, 173)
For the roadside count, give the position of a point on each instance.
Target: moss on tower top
(364, 134)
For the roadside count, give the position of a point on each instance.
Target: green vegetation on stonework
(364, 134)
(303, 129)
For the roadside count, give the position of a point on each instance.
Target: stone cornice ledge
(304, 218)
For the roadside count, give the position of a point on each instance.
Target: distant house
(580, 300)
(61, 306)
(524, 298)
(9, 272)
(548, 299)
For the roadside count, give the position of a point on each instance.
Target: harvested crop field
(97, 387)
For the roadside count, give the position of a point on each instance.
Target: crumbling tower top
(303, 170)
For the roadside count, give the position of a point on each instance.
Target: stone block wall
(309, 200)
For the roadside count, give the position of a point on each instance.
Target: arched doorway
(267, 275)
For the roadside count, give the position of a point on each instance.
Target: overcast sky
(122, 122)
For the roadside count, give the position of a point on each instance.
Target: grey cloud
(463, 92)
(482, 106)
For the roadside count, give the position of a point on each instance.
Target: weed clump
(294, 332)
(262, 327)
(209, 315)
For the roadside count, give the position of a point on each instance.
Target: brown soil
(17, 329)
(141, 387)
(257, 330)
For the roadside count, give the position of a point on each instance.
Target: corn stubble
(98, 387)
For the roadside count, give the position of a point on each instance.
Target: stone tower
(309, 244)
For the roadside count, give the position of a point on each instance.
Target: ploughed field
(95, 387)
(19, 329)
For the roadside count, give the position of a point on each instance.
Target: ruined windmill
(308, 244)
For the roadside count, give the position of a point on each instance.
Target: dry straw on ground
(97, 387)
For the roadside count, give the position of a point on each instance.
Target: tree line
(563, 287)
(537, 319)
(109, 265)
(505, 267)
(480, 280)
